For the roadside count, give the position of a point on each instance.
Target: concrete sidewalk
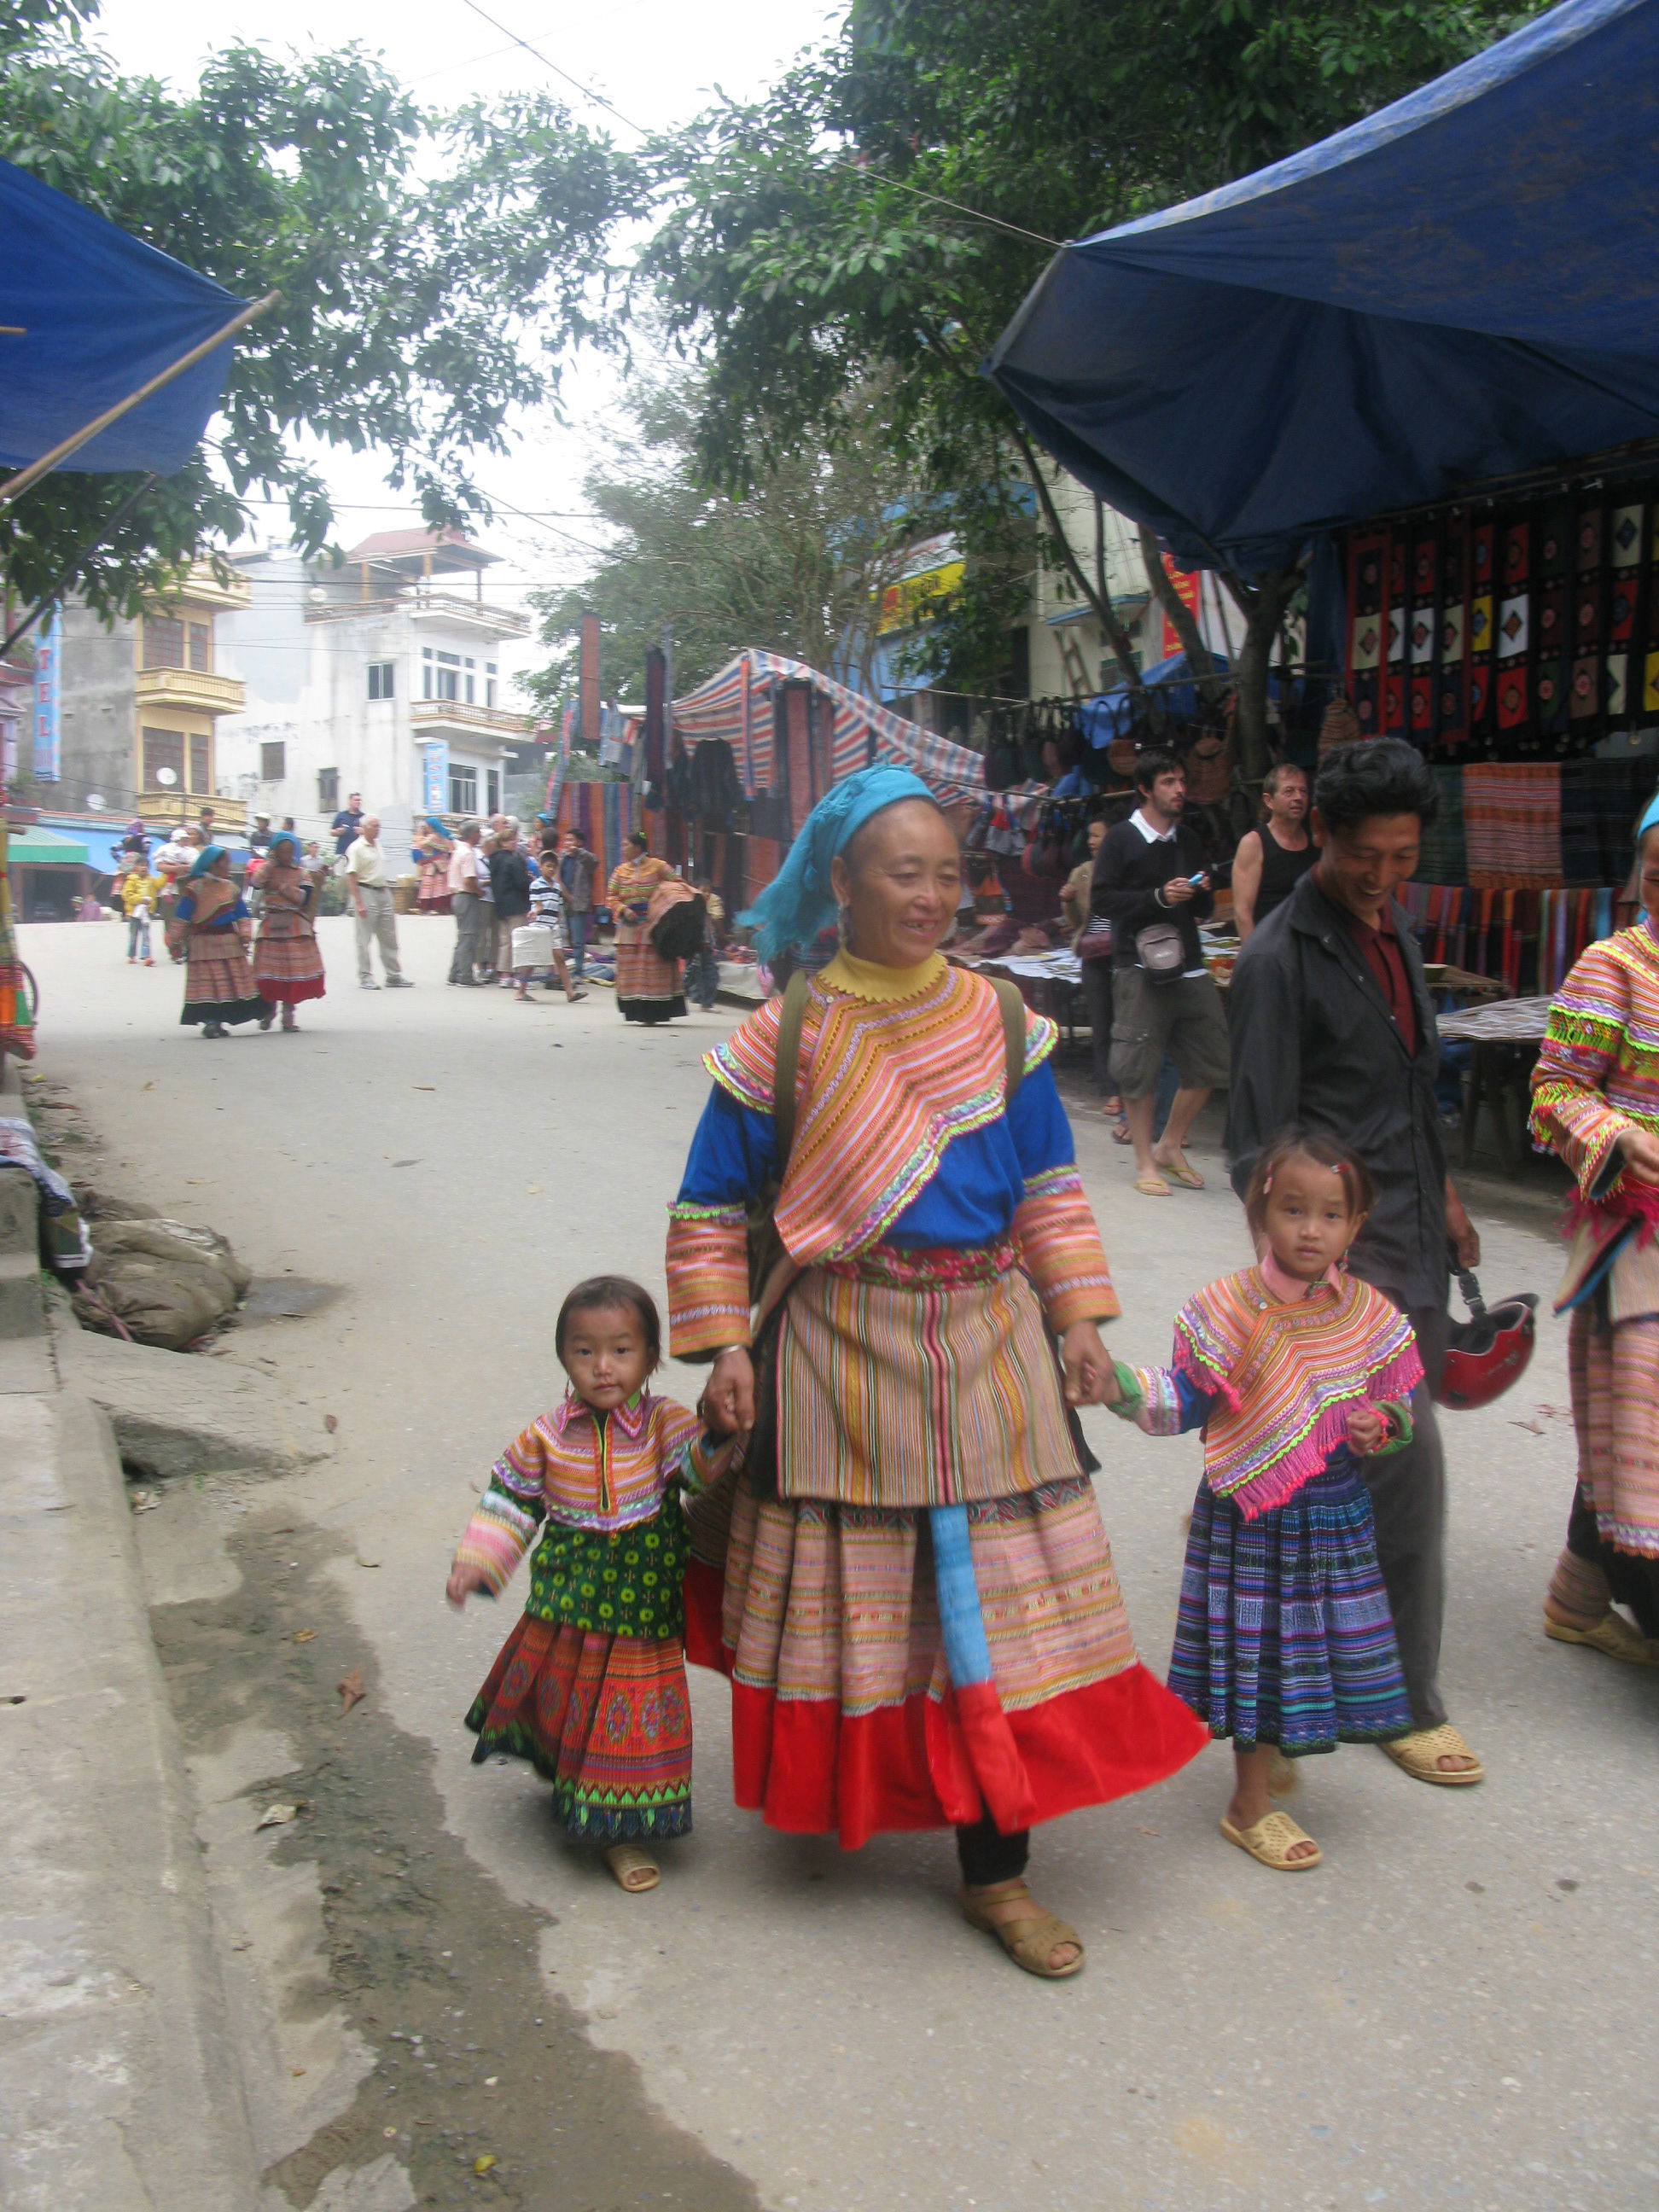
(116, 2086)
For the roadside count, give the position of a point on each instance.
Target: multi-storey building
(141, 702)
(379, 675)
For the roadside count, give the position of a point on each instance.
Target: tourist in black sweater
(1151, 869)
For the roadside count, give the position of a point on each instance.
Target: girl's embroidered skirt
(219, 985)
(1284, 1634)
(826, 1614)
(590, 1686)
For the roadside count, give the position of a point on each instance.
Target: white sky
(659, 60)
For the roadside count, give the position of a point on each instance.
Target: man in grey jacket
(1332, 1029)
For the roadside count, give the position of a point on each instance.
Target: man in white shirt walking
(371, 902)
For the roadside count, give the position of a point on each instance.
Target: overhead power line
(585, 90)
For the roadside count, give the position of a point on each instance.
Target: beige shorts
(1184, 1020)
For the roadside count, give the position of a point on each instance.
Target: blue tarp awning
(1463, 287)
(1111, 714)
(100, 313)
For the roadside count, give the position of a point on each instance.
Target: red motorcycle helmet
(1488, 1352)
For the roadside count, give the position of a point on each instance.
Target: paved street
(1454, 2011)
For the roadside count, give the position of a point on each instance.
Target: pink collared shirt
(599, 1473)
(1287, 1288)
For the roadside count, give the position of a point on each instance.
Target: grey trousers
(1408, 1502)
(377, 924)
(468, 909)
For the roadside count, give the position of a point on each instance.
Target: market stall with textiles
(603, 815)
(752, 750)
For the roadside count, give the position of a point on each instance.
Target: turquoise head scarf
(795, 909)
(204, 860)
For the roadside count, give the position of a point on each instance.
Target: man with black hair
(1151, 881)
(1332, 1029)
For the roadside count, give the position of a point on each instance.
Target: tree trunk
(1159, 582)
(1116, 636)
(1263, 603)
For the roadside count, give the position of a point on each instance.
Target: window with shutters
(463, 791)
(328, 790)
(164, 642)
(201, 764)
(273, 762)
(201, 647)
(382, 679)
(164, 749)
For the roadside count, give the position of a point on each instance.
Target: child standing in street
(1296, 1372)
(139, 892)
(590, 1686)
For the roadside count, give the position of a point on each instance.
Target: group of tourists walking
(878, 1522)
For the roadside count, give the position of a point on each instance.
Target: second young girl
(1296, 1372)
(590, 1686)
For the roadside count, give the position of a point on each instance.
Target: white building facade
(381, 676)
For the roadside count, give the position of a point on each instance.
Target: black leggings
(988, 1856)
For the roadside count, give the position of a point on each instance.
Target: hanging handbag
(1095, 942)
(1159, 950)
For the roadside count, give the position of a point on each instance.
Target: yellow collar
(865, 979)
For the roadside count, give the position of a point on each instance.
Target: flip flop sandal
(636, 1870)
(1612, 1634)
(1271, 1841)
(1121, 1134)
(1029, 1938)
(1184, 1174)
(1416, 1754)
(1153, 1187)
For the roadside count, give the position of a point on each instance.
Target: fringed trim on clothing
(1299, 1458)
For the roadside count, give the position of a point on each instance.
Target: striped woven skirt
(606, 1719)
(825, 1611)
(648, 987)
(1284, 1634)
(288, 964)
(219, 985)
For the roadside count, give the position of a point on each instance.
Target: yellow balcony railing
(189, 689)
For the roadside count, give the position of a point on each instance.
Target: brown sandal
(636, 1870)
(1031, 1937)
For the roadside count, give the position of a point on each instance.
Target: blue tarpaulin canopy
(1463, 288)
(100, 313)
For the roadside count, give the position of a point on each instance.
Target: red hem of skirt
(291, 994)
(810, 1770)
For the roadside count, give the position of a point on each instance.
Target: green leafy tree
(794, 559)
(432, 271)
(881, 213)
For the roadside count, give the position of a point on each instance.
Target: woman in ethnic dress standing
(1595, 1105)
(648, 987)
(209, 930)
(288, 961)
(919, 1614)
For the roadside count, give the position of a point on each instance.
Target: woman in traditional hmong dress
(288, 964)
(1595, 1104)
(434, 850)
(648, 987)
(210, 928)
(1295, 1370)
(915, 1598)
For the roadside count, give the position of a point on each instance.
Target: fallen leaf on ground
(423, 1086)
(483, 2165)
(329, 1423)
(362, 1562)
(276, 1816)
(304, 1635)
(534, 1189)
(150, 1086)
(351, 1690)
(1531, 1427)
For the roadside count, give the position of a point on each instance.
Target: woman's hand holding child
(1368, 1431)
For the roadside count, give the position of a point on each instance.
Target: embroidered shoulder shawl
(1285, 1378)
(883, 1090)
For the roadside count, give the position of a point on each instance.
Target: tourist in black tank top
(1266, 867)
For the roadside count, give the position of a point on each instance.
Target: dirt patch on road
(429, 1961)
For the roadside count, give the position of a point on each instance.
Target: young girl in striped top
(1297, 1372)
